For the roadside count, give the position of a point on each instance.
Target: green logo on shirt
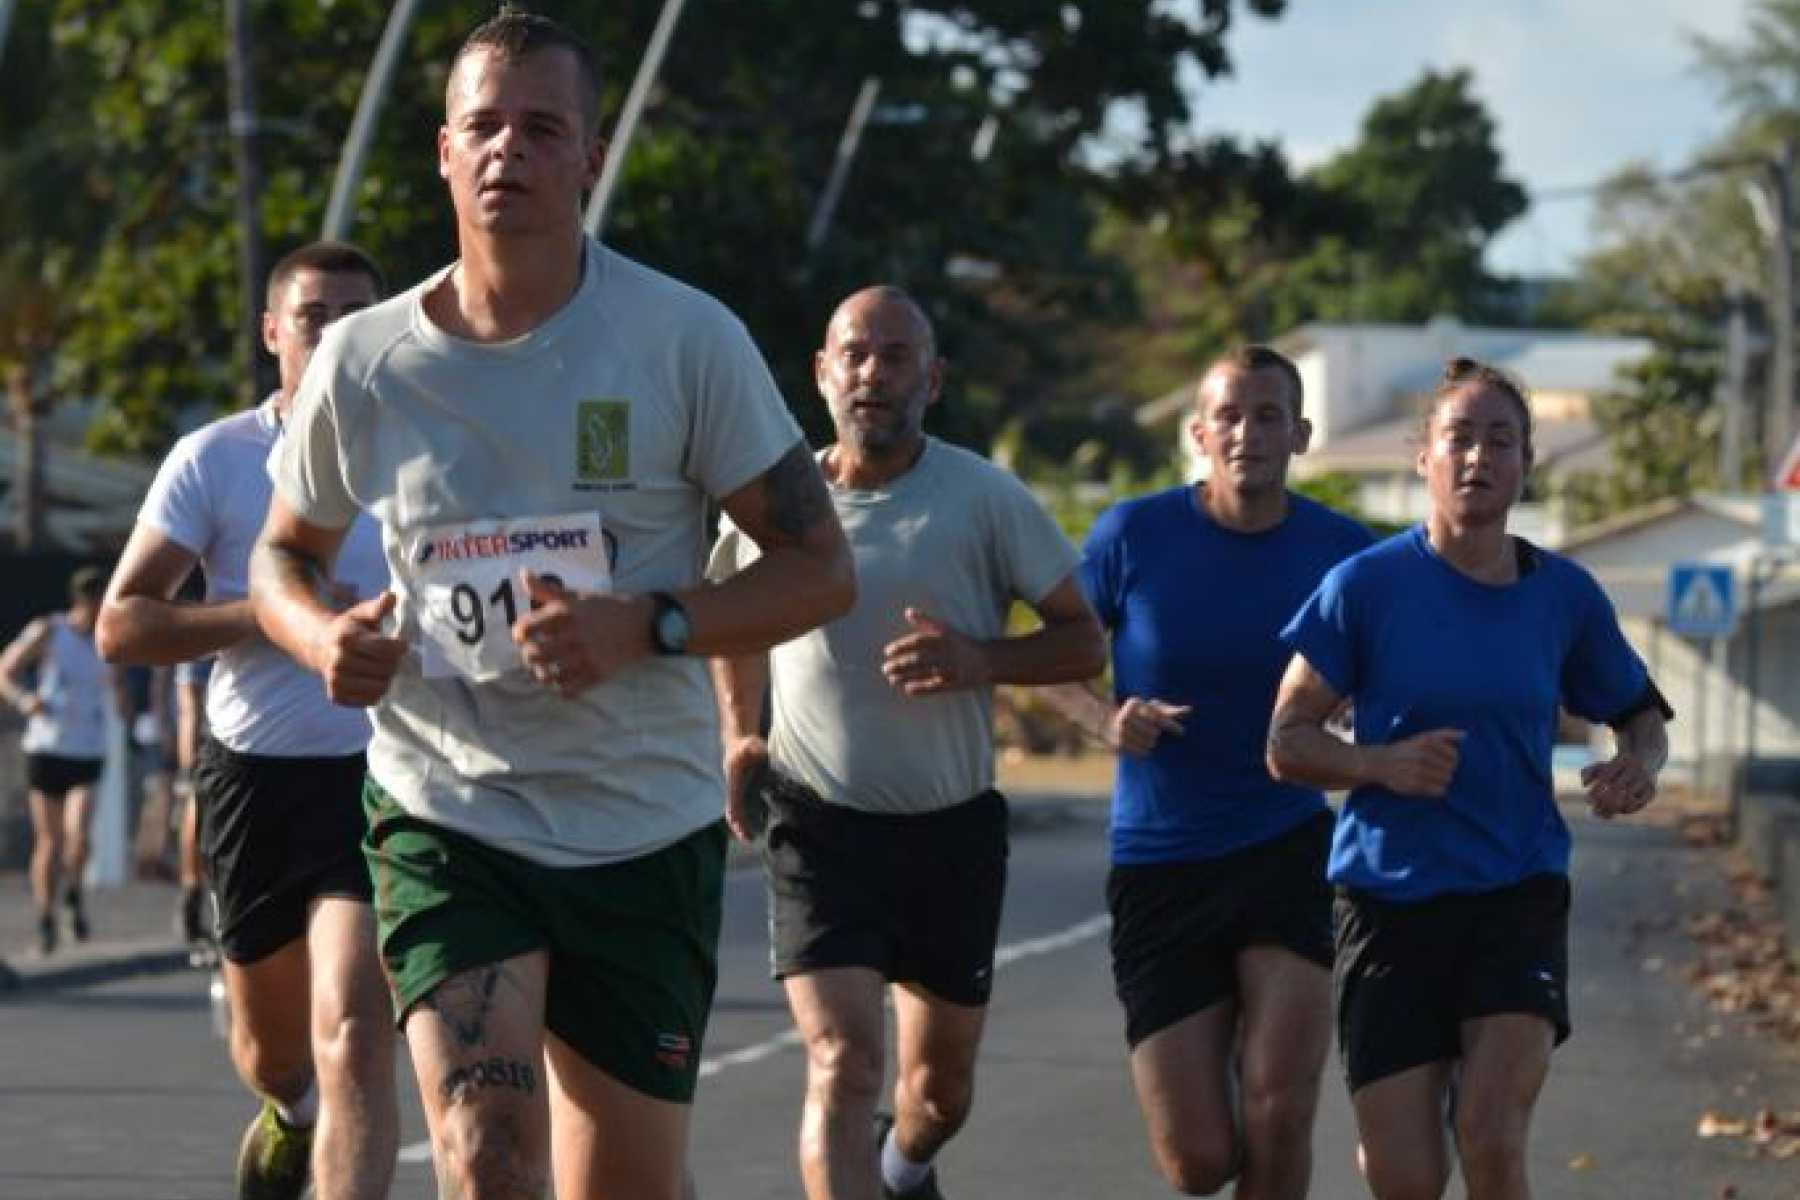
(602, 440)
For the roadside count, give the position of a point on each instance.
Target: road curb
(1027, 814)
(1045, 810)
(149, 957)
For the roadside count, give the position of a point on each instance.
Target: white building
(1733, 695)
(90, 503)
(1367, 384)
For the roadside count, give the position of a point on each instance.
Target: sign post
(1702, 604)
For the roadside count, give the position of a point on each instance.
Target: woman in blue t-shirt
(1456, 643)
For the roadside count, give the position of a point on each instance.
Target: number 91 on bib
(465, 577)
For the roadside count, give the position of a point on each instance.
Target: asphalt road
(122, 1091)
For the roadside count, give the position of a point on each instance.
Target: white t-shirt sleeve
(1034, 554)
(740, 425)
(179, 504)
(307, 465)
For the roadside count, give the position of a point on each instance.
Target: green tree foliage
(1228, 244)
(1758, 75)
(736, 146)
(1674, 251)
(1662, 429)
(1426, 192)
(1391, 229)
(41, 165)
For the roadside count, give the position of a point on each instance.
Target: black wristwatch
(669, 626)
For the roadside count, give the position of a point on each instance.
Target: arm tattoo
(278, 565)
(796, 492)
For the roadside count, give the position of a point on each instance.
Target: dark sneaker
(928, 1190)
(274, 1159)
(47, 933)
(190, 922)
(78, 922)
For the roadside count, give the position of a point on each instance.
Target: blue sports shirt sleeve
(1324, 631)
(1602, 675)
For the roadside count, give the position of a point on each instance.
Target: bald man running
(886, 845)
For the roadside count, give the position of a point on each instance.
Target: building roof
(90, 504)
(1166, 407)
(1545, 360)
(1640, 588)
(1744, 510)
(1574, 364)
(1560, 446)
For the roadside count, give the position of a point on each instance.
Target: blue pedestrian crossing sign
(1702, 599)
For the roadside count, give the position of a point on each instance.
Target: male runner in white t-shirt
(279, 778)
(539, 430)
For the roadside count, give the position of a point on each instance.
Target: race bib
(465, 580)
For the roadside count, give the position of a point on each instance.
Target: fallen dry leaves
(1768, 1132)
(1744, 968)
(1704, 829)
(1744, 965)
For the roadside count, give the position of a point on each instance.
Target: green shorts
(633, 945)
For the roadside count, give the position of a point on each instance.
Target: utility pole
(840, 169)
(241, 84)
(341, 210)
(1732, 397)
(594, 220)
(28, 463)
(1779, 429)
(6, 16)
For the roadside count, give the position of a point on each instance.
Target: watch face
(672, 629)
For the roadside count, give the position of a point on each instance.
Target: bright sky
(1577, 88)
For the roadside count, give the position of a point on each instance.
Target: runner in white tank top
(64, 744)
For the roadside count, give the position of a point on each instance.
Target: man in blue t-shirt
(1221, 914)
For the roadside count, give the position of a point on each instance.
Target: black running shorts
(55, 775)
(914, 897)
(277, 834)
(1409, 975)
(1177, 927)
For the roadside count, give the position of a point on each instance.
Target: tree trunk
(28, 470)
(241, 81)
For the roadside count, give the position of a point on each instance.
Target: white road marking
(1004, 956)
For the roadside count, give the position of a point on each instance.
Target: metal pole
(1728, 699)
(28, 458)
(840, 170)
(1752, 664)
(626, 129)
(1702, 667)
(341, 209)
(6, 16)
(1779, 429)
(241, 82)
